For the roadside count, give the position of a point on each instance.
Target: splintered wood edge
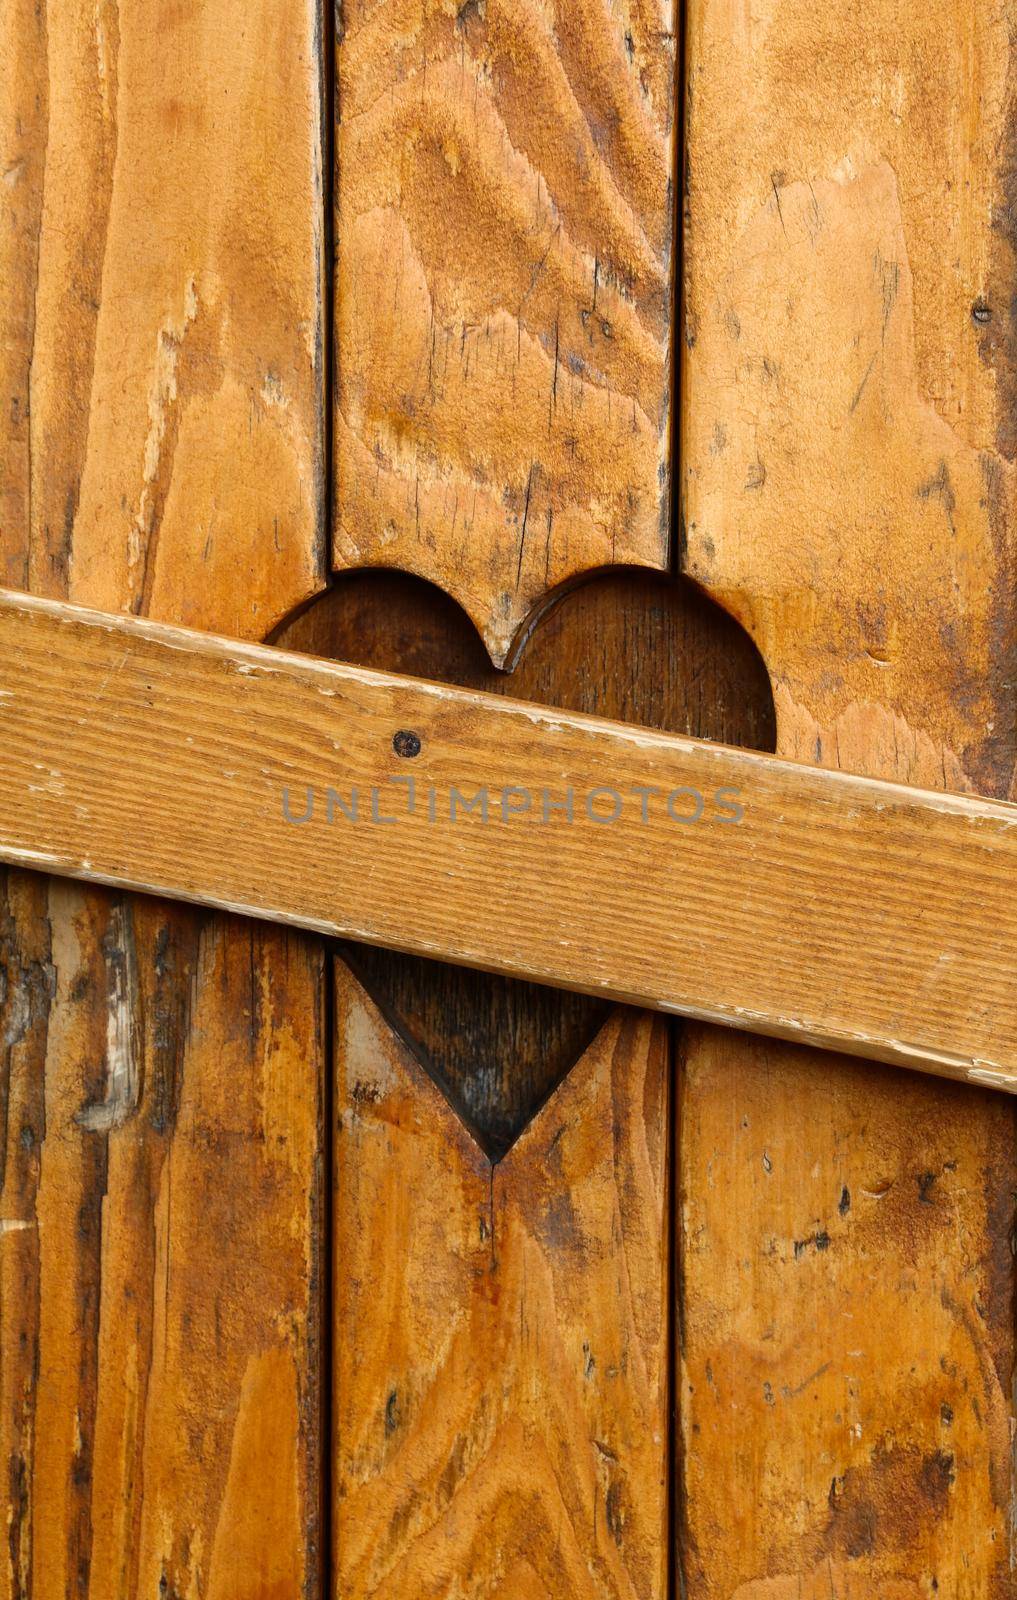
(913, 882)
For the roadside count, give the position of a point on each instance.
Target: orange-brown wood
(814, 905)
(160, 1070)
(162, 360)
(847, 1302)
(503, 354)
(629, 645)
(503, 296)
(158, 1250)
(845, 1293)
(501, 1372)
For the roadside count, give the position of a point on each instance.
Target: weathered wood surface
(160, 1070)
(504, 223)
(814, 905)
(847, 1304)
(505, 220)
(163, 404)
(159, 1245)
(500, 1332)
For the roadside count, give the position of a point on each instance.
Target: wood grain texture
(848, 412)
(163, 388)
(814, 905)
(501, 1374)
(504, 200)
(503, 341)
(159, 1247)
(161, 1070)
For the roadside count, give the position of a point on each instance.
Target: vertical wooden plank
(504, 227)
(165, 1407)
(846, 1309)
(24, 93)
(501, 1407)
(163, 380)
(161, 1072)
(503, 354)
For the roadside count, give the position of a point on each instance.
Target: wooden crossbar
(715, 883)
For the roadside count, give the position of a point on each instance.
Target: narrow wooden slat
(506, 1434)
(163, 417)
(164, 1252)
(161, 1069)
(847, 1271)
(504, 309)
(504, 293)
(688, 876)
(504, 314)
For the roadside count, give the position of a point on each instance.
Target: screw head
(406, 743)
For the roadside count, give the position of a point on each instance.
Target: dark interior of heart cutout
(625, 643)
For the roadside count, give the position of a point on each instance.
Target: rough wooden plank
(158, 1250)
(848, 1278)
(501, 1373)
(504, 218)
(815, 905)
(160, 1070)
(503, 340)
(163, 405)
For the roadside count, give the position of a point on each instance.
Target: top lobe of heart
(627, 643)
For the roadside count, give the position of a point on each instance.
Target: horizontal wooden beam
(715, 883)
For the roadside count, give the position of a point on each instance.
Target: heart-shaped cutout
(625, 643)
